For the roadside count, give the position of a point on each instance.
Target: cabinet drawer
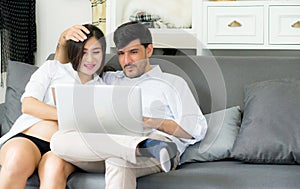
(284, 24)
(235, 25)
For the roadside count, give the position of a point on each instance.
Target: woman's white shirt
(40, 87)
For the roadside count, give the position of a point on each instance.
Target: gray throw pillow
(270, 130)
(18, 74)
(223, 127)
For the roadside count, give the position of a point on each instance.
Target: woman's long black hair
(75, 49)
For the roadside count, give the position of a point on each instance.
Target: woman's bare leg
(54, 172)
(19, 158)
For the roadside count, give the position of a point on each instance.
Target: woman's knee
(52, 165)
(19, 157)
(53, 171)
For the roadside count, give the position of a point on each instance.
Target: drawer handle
(234, 24)
(296, 24)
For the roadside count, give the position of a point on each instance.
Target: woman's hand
(76, 33)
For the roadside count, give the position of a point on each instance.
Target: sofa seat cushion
(226, 175)
(219, 174)
(81, 180)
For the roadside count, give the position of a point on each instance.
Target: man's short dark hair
(131, 31)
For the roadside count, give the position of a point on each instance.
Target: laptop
(100, 109)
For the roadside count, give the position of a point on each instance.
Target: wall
(53, 17)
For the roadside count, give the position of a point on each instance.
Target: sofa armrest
(2, 109)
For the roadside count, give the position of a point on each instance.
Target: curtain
(18, 31)
(99, 14)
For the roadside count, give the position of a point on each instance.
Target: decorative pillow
(270, 130)
(223, 127)
(18, 74)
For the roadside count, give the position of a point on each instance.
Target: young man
(26, 147)
(169, 109)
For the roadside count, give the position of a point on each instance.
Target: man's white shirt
(166, 96)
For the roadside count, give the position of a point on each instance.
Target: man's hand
(76, 33)
(167, 126)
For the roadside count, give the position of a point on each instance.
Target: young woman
(26, 146)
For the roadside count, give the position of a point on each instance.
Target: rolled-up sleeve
(186, 111)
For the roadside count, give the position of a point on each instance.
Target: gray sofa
(246, 101)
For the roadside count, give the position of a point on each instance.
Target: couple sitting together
(169, 109)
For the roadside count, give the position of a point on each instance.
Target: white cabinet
(250, 25)
(235, 25)
(178, 11)
(284, 25)
(240, 24)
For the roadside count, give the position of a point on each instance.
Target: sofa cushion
(225, 175)
(2, 110)
(223, 127)
(18, 74)
(270, 130)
